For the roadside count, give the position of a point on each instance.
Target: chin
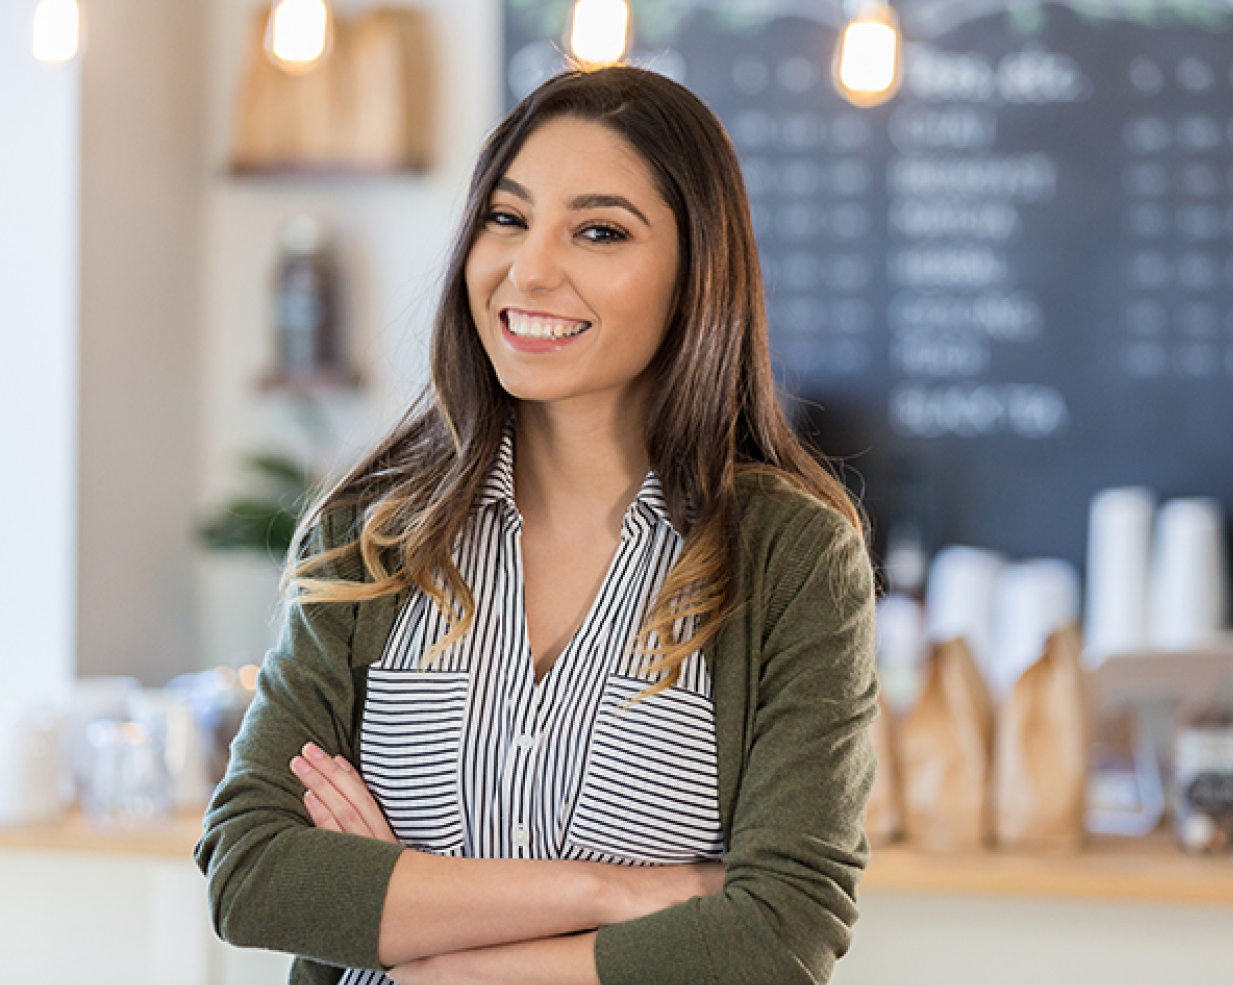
(538, 391)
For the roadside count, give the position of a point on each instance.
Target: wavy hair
(713, 412)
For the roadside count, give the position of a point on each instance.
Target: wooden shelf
(170, 838)
(329, 172)
(327, 380)
(1144, 869)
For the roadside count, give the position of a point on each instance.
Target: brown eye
(601, 233)
(502, 217)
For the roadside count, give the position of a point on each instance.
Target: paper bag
(884, 811)
(946, 752)
(1042, 749)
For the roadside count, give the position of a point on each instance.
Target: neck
(578, 468)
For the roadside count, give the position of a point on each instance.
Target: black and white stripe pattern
(470, 756)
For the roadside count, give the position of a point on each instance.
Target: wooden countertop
(170, 838)
(1145, 869)
(1149, 869)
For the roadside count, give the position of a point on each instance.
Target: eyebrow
(589, 201)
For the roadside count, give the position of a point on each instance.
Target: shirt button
(526, 742)
(522, 837)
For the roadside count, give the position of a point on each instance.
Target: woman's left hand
(336, 797)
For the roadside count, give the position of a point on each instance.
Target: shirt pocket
(650, 790)
(412, 732)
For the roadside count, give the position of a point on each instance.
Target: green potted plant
(265, 520)
(245, 543)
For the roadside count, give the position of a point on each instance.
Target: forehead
(568, 155)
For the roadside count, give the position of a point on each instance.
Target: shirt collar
(498, 487)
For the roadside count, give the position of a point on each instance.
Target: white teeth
(529, 327)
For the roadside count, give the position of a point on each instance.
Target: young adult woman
(577, 674)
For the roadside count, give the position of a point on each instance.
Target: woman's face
(571, 276)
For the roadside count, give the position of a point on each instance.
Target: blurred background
(998, 247)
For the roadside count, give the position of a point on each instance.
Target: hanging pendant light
(868, 65)
(57, 31)
(599, 31)
(299, 34)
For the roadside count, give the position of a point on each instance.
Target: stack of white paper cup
(901, 649)
(959, 600)
(1032, 600)
(1118, 557)
(1189, 578)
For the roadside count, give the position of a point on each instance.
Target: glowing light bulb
(599, 32)
(298, 34)
(867, 61)
(57, 31)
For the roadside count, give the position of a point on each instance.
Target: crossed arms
(451, 921)
(285, 878)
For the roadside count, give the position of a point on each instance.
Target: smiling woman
(577, 678)
(577, 258)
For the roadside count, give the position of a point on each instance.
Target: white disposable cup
(959, 600)
(1032, 600)
(1119, 547)
(901, 647)
(32, 768)
(1189, 577)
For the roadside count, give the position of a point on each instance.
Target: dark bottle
(306, 306)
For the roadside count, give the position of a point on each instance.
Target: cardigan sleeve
(275, 881)
(797, 846)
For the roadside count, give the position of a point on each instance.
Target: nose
(536, 265)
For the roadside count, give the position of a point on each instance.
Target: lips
(540, 325)
(539, 332)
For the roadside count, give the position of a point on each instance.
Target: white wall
(176, 270)
(394, 235)
(142, 122)
(39, 173)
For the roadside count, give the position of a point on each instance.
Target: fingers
(328, 808)
(315, 772)
(320, 814)
(354, 790)
(341, 795)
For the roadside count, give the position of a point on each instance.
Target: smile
(527, 326)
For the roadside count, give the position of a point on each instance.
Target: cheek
(639, 289)
(483, 261)
(651, 290)
(478, 288)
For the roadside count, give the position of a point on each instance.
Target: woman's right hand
(637, 891)
(336, 797)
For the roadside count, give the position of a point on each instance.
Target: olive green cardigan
(794, 690)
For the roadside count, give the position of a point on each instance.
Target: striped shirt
(470, 756)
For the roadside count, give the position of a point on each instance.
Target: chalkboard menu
(1005, 289)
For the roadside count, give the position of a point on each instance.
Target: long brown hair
(713, 411)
